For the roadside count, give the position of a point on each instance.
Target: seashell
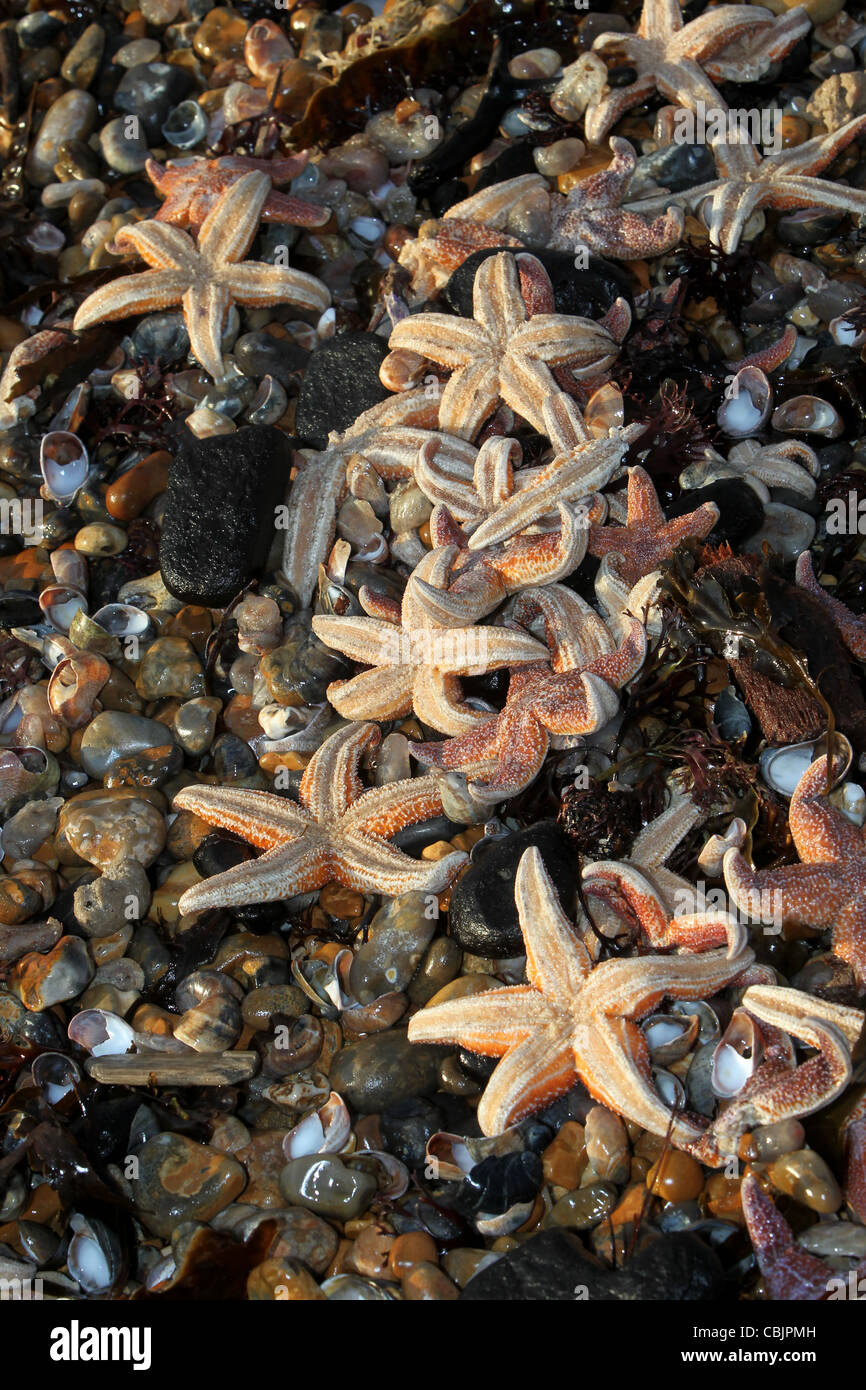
(731, 717)
(214, 1025)
(74, 686)
(605, 410)
(390, 1174)
(375, 552)
(808, 415)
(70, 568)
(89, 636)
(94, 1258)
(269, 404)
(350, 1288)
(708, 1022)
(747, 404)
(737, 1055)
(25, 773)
(376, 1016)
(782, 768)
(786, 529)
(123, 620)
(60, 604)
(56, 1075)
(201, 985)
(670, 1088)
(669, 1036)
(185, 125)
(104, 1034)
(850, 799)
(147, 593)
(71, 414)
(326, 1130)
(64, 463)
(324, 982)
(260, 624)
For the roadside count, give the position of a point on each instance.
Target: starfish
(827, 889)
(191, 189)
(790, 1273)
(786, 463)
(339, 831)
(777, 1089)
(851, 628)
(573, 1020)
(506, 350)
(749, 181)
(646, 539)
(582, 463)
(592, 216)
(389, 436)
(206, 279)
(576, 697)
(415, 661)
(669, 56)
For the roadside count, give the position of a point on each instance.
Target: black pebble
(500, 1182)
(741, 513)
(588, 293)
(678, 166)
(446, 195)
(342, 381)
(406, 1128)
(19, 610)
(149, 91)
(510, 164)
(553, 1266)
(483, 916)
(220, 512)
(220, 851)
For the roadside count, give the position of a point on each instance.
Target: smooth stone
(326, 1186)
(124, 151)
(261, 354)
(119, 896)
(741, 512)
(220, 512)
(113, 735)
(406, 1128)
(179, 1180)
(552, 1265)
(263, 1004)
(195, 724)
(482, 916)
(341, 381)
(42, 980)
(585, 1207)
(399, 934)
(170, 666)
(677, 167)
(71, 117)
(383, 1069)
(101, 825)
(81, 63)
(149, 91)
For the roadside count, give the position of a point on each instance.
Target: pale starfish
(786, 463)
(338, 831)
(851, 628)
(414, 661)
(593, 216)
(790, 1273)
(503, 754)
(192, 188)
(206, 279)
(582, 463)
(573, 1020)
(827, 889)
(674, 58)
(748, 181)
(505, 352)
(647, 539)
(389, 436)
(777, 1089)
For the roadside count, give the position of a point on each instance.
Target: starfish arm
(488, 1023)
(281, 873)
(370, 865)
(132, 294)
(408, 410)
(564, 425)
(601, 116)
(660, 19)
(813, 155)
(205, 306)
(789, 1272)
(394, 453)
(470, 395)
(731, 207)
(542, 559)
(523, 742)
(473, 594)
(332, 780)
(614, 1065)
(801, 192)
(798, 1013)
(493, 476)
(442, 338)
(573, 631)
(311, 521)
(820, 832)
(613, 880)
(803, 894)
(163, 247)
(717, 29)
(529, 1077)
(556, 339)
(368, 640)
(855, 1144)
(438, 701)
(458, 495)
(557, 962)
(492, 205)
(256, 284)
(660, 838)
(589, 467)
(381, 693)
(262, 818)
(576, 703)
(229, 229)
(619, 667)
(295, 212)
(463, 651)
(635, 987)
(466, 751)
(683, 82)
(851, 629)
(496, 300)
(385, 810)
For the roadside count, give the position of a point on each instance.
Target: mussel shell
(65, 464)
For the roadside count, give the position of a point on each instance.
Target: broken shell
(787, 530)
(448, 1156)
(56, 1075)
(326, 982)
(747, 404)
(60, 604)
(70, 568)
(94, 1258)
(214, 1025)
(808, 415)
(26, 772)
(605, 410)
(65, 465)
(391, 1175)
(87, 635)
(782, 768)
(670, 1037)
(74, 686)
(850, 799)
(104, 1034)
(200, 985)
(326, 1130)
(708, 1022)
(843, 332)
(122, 620)
(737, 1055)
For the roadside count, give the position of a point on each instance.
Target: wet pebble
(149, 91)
(482, 915)
(326, 1186)
(383, 1069)
(113, 735)
(179, 1180)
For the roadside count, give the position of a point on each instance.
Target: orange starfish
(192, 189)
(647, 539)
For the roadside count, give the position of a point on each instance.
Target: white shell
(65, 465)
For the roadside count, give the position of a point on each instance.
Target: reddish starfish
(191, 190)
(576, 697)
(647, 539)
(790, 1272)
(828, 888)
(851, 629)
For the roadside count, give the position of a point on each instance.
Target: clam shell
(747, 404)
(64, 463)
